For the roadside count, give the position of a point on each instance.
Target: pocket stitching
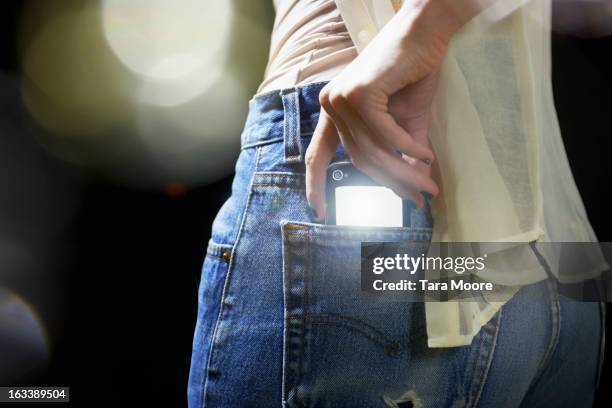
(412, 234)
(390, 346)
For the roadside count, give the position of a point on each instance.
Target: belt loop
(291, 128)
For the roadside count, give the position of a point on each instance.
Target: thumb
(318, 156)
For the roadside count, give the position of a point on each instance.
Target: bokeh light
(178, 47)
(23, 340)
(148, 93)
(72, 83)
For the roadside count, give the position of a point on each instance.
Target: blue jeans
(282, 320)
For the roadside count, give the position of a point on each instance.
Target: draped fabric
(501, 164)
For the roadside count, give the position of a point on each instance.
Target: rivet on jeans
(226, 254)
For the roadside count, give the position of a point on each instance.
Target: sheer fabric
(501, 164)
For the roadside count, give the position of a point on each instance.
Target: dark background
(126, 269)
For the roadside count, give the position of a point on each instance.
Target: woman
(282, 320)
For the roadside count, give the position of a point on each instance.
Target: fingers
(375, 157)
(373, 110)
(391, 170)
(318, 156)
(385, 125)
(405, 181)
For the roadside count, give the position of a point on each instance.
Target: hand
(378, 107)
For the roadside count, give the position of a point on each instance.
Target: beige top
(310, 43)
(501, 165)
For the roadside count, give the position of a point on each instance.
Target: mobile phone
(355, 199)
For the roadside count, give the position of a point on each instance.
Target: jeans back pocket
(336, 336)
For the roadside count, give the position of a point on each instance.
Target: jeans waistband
(285, 114)
(288, 115)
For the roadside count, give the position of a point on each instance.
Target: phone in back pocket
(353, 198)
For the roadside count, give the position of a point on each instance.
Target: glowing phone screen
(368, 206)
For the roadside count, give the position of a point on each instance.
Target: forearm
(439, 19)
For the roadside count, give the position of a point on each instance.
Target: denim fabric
(282, 320)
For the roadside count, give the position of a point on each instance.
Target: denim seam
(325, 235)
(602, 339)
(472, 367)
(285, 320)
(332, 316)
(392, 349)
(290, 318)
(332, 236)
(555, 318)
(305, 308)
(281, 174)
(289, 273)
(226, 285)
(487, 359)
(390, 346)
(291, 186)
